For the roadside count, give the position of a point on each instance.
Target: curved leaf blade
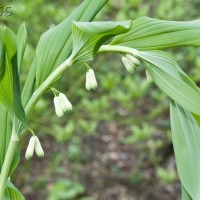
(21, 44)
(6, 85)
(153, 34)
(5, 132)
(184, 194)
(12, 193)
(2, 60)
(186, 140)
(89, 36)
(10, 94)
(170, 78)
(17, 103)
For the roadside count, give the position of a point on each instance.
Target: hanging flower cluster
(62, 104)
(34, 144)
(130, 62)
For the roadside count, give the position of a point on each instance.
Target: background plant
(103, 101)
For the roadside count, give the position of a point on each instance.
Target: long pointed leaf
(21, 44)
(17, 103)
(6, 85)
(148, 33)
(12, 193)
(2, 60)
(184, 194)
(5, 132)
(10, 94)
(186, 140)
(12, 81)
(89, 36)
(172, 80)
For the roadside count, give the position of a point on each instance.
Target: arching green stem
(119, 49)
(46, 84)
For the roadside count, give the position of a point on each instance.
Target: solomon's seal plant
(76, 39)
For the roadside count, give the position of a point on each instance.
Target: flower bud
(91, 82)
(134, 60)
(65, 103)
(38, 148)
(58, 108)
(30, 148)
(128, 64)
(149, 79)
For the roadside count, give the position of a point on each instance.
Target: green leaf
(184, 194)
(21, 44)
(54, 46)
(186, 140)
(29, 85)
(148, 33)
(197, 118)
(5, 132)
(10, 95)
(17, 103)
(15, 162)
(89, 36)
(12, 193)
(5, 135)
(9, 39)
(170, 78)
(6, 85)
(2, 60)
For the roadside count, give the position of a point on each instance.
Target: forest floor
(109, 170)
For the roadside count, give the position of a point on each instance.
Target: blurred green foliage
(120, 131)
(65, 190)
(166, 176)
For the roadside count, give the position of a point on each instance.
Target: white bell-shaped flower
(38, 148)
(91, 82)
(62, 104)
(149, 78)
(30, 148)
(65, 103)
(58, 108)
(133, 59)
(128, 64)
(34, 144)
